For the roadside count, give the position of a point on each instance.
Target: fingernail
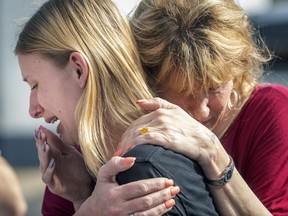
(128, 147)
(35, 133)
(169, 203)
(175, 190)
(129, 160)
(44, 146)
(51, 163)
(41, 127)
(118, 153)
(141, 101)
(169, 183)
(39, 134)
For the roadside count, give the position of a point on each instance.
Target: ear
(79, 68)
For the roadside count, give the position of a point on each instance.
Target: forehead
(183, 88)
(31, 63)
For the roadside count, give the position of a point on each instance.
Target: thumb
(55, 141)
(154, 104)
(114, 166)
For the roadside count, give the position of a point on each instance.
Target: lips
(59, 129)
(54, 120)
(51, 120)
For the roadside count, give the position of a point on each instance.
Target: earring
(233, 100)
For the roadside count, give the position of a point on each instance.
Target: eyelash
(34, 87)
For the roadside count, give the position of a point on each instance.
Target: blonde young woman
(204, 57)
(82, 66)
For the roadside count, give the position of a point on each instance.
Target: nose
(35, 109)
(201, 110)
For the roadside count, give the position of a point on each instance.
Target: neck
(226, 122)
(232, 114)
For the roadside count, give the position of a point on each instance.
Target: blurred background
(17, 144)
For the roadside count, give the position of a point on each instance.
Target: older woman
(203, 56)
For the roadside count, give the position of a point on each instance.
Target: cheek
(50, 100)
(44, 98)
(218, 105)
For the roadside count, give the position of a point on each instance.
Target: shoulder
(271, 92)
(267, 98)
(153, 161)
(265, 116)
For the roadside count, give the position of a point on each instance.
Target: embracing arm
(144, 196)
(174, 129)
(67, 177)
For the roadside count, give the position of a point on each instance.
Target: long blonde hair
(97, 30)
(187, 44)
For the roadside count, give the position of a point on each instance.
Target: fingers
(53, 139)
(47, 175)
(42, 148)
(155, 103)
(158, 210)
(158, 123)
(115, 165)
(150, 196)
(154, 137)
(45, 155)
(161, 187)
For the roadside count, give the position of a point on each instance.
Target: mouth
(55, 119)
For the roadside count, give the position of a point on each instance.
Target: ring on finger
(144, 130)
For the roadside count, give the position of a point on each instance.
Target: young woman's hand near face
(65, 174)
(63, 168)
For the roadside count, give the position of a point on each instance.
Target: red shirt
(54, 205)
(258, 143)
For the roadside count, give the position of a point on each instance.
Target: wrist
(224, 177)
(85, 196)
(85, 208)
(214, 159)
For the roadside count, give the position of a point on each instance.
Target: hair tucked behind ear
(187, 43)
(98, 31)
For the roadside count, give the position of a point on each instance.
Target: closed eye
(34, 87)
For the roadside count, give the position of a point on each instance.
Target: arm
(12, 200)
(174, 129)
(68, 177)
(108, 198)
(154, 161)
